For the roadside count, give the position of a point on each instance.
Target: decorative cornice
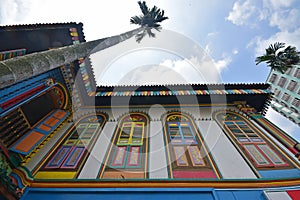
(181, 92)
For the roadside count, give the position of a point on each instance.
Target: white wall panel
(92, 165)
(277, 195)
(157, 154)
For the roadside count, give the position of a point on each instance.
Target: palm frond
(162, 19)
(291, 56)
(150, 33)
(273, 48)
(263, 58)
(160, 16)
(277, 45)
(136, 20)
(279, 59)
(149, 20)
(140, 36)
(291, 49)
(157, 27)
(144, 8)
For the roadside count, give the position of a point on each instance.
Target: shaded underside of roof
(256, 95)
(195, 86)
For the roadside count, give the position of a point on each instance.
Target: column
(158, 165)
(92, 166)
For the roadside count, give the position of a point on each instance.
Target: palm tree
(20, 68)
(149, 20)
(279, 59)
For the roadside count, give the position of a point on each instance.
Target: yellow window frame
(131, 140)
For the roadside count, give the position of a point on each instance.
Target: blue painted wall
(141, 194)
(277, 174)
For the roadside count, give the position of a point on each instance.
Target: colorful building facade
(67, 139)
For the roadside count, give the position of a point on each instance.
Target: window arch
(68, 158)
(127, 157)
(187, 154)
(250, 141)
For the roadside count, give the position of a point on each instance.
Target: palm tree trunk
(20, 68)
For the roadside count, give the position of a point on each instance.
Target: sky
(202, 41)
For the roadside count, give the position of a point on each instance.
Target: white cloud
(290, 38)
(170, 71)
(282, 14)
(235, 51)
(12, 11)
(212, 34)
(151, 74)
(199, 67)
(286, 125)
(277, 4)
(241, 12)
(8, 10)
(285, 20)
(195, 69)
(223, 64)
(205, 69)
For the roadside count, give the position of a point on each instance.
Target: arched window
(127, 156)
(188, 157)
(68, 158)
(250, 141)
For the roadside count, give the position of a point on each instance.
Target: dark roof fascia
(226, 86)
(20, 27)
(259, 101)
